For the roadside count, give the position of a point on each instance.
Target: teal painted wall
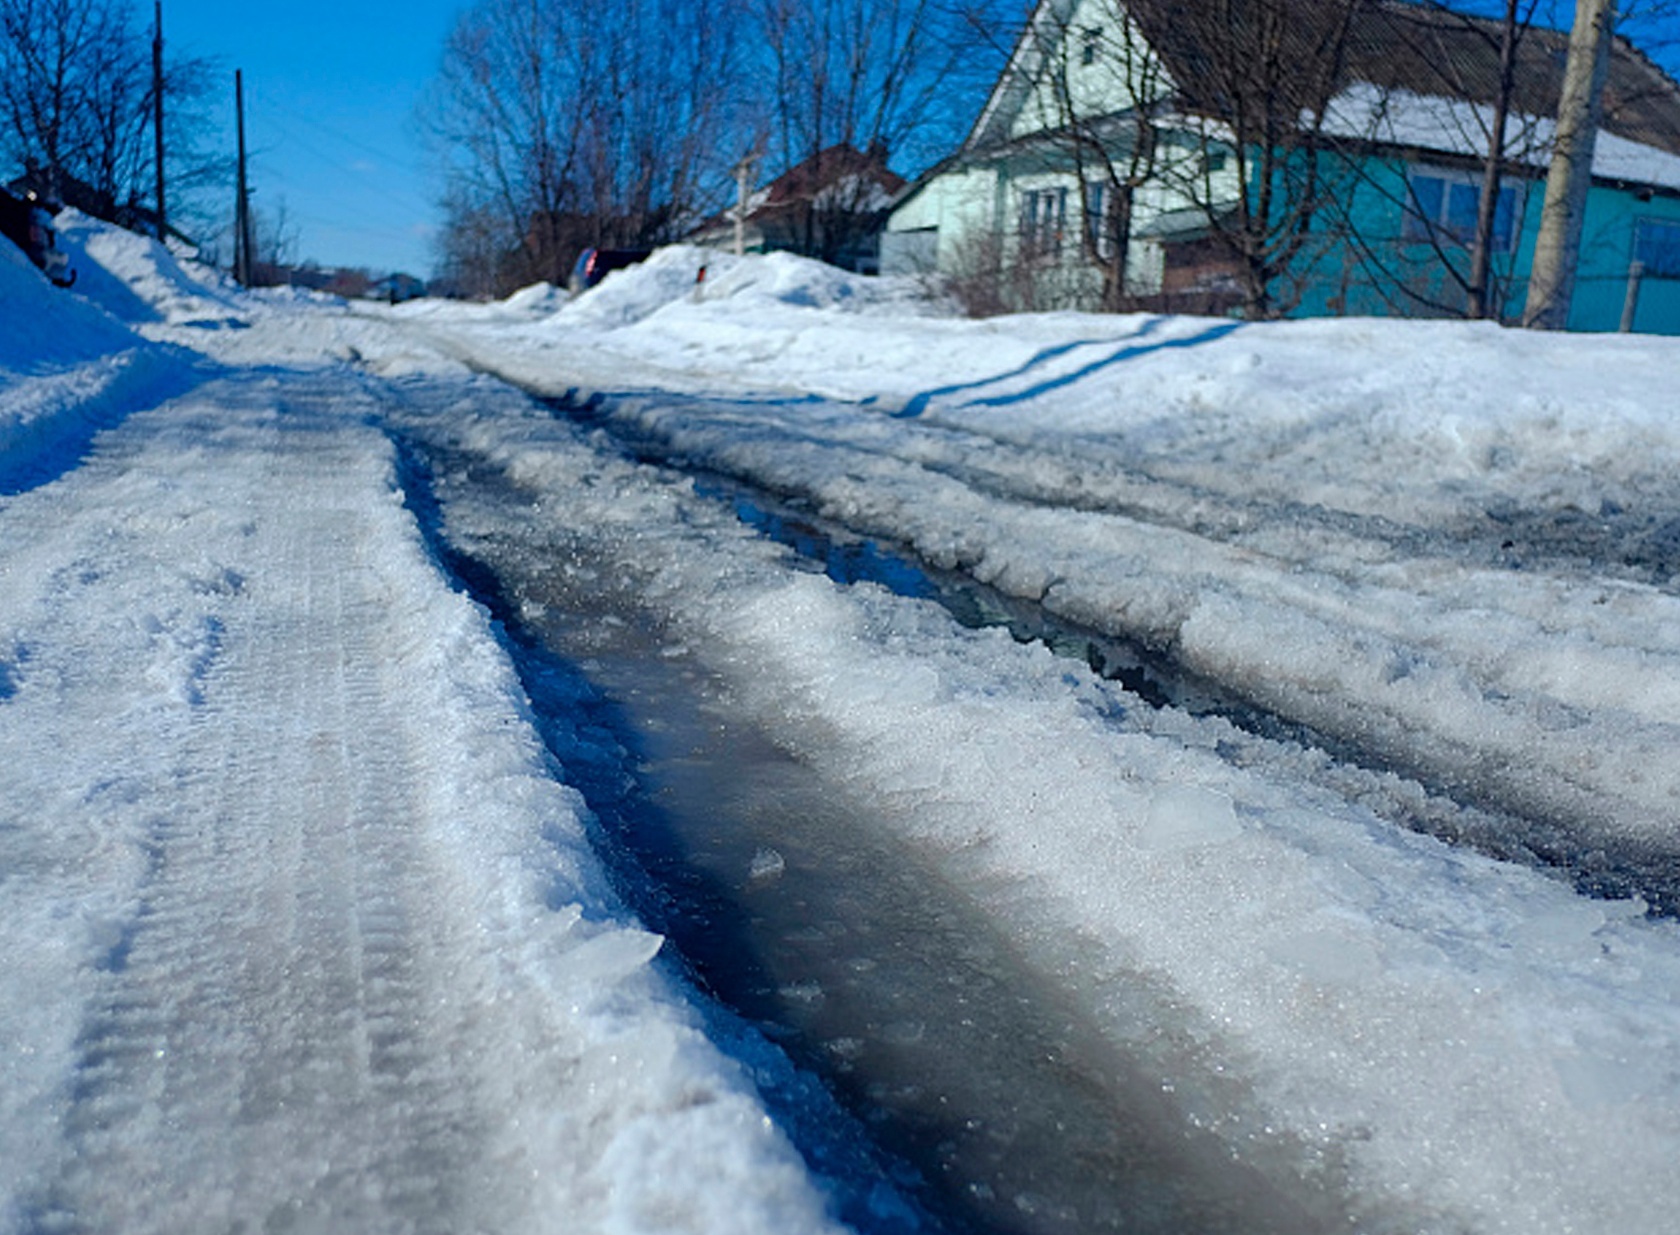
(1383, 273)
(1607, 253)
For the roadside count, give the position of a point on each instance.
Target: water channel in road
(1453, 808)
(950, 1064)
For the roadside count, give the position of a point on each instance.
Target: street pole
(242, 205)
(157, 117)
(743, 185)
(1551, 283)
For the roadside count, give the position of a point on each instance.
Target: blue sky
(330, 95)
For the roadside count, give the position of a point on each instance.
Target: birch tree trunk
(1551, 283)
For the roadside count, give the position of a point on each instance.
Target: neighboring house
(833, 206)
(1112, 111)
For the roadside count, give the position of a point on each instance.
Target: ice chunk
(767, 866)
(612, 955)
(1185, 815)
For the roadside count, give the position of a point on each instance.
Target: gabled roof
(841, 178)
(1391, 45)
(1420, 49)
(838, 168)
(1015, 85)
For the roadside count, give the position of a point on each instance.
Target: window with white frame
(1441, 206)
(1043, 218)
(1656, 247)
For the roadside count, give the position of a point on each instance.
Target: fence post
(1630, 305)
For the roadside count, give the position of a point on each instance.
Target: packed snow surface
(302, 929)
(304, 925)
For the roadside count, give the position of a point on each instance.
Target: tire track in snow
(273, 1047)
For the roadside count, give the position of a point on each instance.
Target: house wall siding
(1370, 271)
(1123, 73)
(957, 205)
(1607, 239)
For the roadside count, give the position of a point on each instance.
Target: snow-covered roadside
(1549, 694)
(1311, 512)
(301, 926)
(1458, 1044)
(67, 373)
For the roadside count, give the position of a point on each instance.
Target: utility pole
(157, 116)
(242, 204)
(743, 185)
(1551, 284)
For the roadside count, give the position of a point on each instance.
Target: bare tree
(474, 256)
(77, 105)
(1480, 297)
(584, 123)
(1256, 81)
(52, 55)
(882, 79)
(860, 73)
(274, 245)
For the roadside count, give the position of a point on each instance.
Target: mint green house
(1102, 173)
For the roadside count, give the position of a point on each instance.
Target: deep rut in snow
(981, 1091)
(1459, 809)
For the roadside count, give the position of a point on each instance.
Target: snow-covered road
(305, 926)
(301, 928)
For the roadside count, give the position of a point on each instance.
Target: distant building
(833, 207)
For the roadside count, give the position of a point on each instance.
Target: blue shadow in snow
(1131, 350)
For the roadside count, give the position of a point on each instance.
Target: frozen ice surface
(1316, 515)
(1343, 992)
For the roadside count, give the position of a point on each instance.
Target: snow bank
(1374, 417)
(1315, 513)
(1435, 541)
(67, 369)
(683, 275)
(1449, 546)
(137, 279)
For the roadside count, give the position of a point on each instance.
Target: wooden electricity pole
(1551, 284)
(744, 171)
(157, 116)
(242, 205)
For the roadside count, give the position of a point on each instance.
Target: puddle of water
(923, 1020)
(801, 912)
(1608, 869)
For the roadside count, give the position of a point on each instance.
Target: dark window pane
(1658, 246)
(1462, 200)
(1423, 211)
